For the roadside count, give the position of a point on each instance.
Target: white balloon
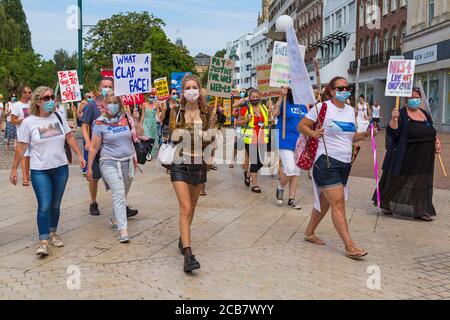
(283, 23)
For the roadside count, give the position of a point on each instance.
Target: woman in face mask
(254, 120)
(330, 174)
(406, 185)
(188, 125)
(46, 133)
(114, 133)
(149, 122)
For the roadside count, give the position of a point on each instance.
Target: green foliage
(9, 31)
(14, 11)
(221, 53)
(134, 32)
(64, 61)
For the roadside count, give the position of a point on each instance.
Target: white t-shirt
(20, 110)
(1, 109)
(8, 109)
(340, 127)
(376, 111)
(45, 137)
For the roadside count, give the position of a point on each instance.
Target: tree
(14, 11)
(135, 33)
(9, 31)
(64, 61)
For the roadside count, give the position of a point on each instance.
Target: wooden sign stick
(284, 118)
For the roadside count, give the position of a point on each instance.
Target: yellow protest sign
(162, 89)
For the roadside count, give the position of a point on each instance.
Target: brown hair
(331, 86)
(36, 97)
(203, 106)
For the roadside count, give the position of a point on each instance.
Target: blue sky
(204, 25)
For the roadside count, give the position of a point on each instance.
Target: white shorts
(290, 168)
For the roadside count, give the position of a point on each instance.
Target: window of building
(338, 19)
(393, 5)
(361, 15)
(369, 48)
(402, 3)
(385, 41)
(394, 38)
(430, 11)
(385, 7)
(351, 12)
(376, 45)
(361, 49)
(327, 26)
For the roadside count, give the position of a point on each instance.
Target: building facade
(428, 42)
(258, 47)
(277, 9)
(380, 30)
(202, 63)
(240, 52)
(308, 25)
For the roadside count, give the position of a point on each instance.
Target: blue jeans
(49, 186)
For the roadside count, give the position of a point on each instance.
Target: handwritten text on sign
(70, 88)
(131, 100)
(162, 89)
(263, 81)
(400, 78)
(220, 77)
(132, 74)
(280, 75)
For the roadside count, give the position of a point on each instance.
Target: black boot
(190, 263)
(180, 246)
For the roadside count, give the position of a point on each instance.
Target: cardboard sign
(132, 73)
(129, 101)
(220, 77)
(226, 103)
(177, 78)
(280, 74)
(162, 89)
(400, 78)
(302, 90)
(70, 87)
(263, 81)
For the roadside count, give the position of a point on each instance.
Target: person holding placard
(254, 120)
(332, 165)
(188, 126)
(406, 186)
(291, 172)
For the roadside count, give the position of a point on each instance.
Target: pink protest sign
(70, 88)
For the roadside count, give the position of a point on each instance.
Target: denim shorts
(336, 175)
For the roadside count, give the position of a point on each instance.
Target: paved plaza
(248, 247)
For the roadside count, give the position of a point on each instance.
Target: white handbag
(166, 153)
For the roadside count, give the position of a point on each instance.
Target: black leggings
(254, 158)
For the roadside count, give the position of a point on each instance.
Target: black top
(398, 141)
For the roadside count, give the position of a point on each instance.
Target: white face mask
(192, 95)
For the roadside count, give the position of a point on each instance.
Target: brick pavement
(249, 248)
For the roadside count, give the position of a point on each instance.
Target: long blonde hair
(201, 100)
(36, 97)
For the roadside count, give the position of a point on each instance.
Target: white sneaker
(42, 250)
(56, 241)
(293, 205)
(279, 195)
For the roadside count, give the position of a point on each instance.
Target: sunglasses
(28, 92)
(342, 88)
(48, 98)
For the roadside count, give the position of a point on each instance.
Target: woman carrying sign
(332, 169)
(406, 186)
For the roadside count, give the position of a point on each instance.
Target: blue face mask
(414, 103)
(242, 95)
(49, 106)
(175, 97)
(113, 108)
(90, 100)
(105, 91)
(342, 96)
(13, 99)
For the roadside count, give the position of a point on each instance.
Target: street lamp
(281, 25)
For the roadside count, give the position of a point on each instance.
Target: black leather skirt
(191, 173)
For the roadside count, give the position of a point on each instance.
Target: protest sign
(280, 73)
(107, 73)
(226, 103)
(131, 100)
(220, 77)
(212, 101)
(302, 90)
(162, 89)
(132, 73)
(400, 78)
(263, 81)
(69, 85)
(177, 78)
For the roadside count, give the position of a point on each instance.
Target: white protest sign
(400, 78)
(280, 73)
(132, 73)
(302, 90)
(70, 87)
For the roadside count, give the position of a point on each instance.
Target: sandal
(355, 253)
(314, 239)
(425, 218)
(256, 189)
(246, 179)
(26, 183)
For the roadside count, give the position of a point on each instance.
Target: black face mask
(255, 102)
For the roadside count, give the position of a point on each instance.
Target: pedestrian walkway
(248, 247)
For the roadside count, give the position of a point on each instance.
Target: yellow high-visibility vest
(249, 130)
